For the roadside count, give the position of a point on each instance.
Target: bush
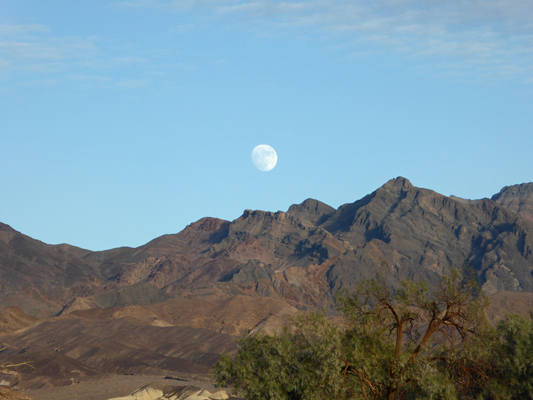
(412, 342)
(300, 363)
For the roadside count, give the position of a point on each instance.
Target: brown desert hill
(518, 199)
(136, 294)
(237, 315)
(41, 278)
(65, 349)
(32, 270)
(186, 246)
(13, 318)
(175, 337)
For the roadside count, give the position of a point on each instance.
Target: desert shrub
(396, 343)
(302, 362)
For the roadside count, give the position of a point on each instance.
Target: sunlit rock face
(518, 199)
(168, 392)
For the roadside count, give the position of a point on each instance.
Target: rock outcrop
(518, 199)
(167, 392)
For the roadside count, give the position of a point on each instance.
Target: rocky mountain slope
(418, 233)
(303, 256)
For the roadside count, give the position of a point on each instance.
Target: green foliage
(405, 343)
(512, 356)
(516, 334)
(409, 341)
(300, 363)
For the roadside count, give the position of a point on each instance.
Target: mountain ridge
(303, 256)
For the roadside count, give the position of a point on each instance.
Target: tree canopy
(394, 343)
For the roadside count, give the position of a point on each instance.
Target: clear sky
(121, 121)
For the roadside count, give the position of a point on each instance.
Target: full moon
(264, 157)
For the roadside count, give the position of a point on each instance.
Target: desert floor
(110, 386)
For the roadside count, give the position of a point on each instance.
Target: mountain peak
(516, 190)
(397, 184)
(6, 228)
(207, 224)
(518, 199)
(311, 210)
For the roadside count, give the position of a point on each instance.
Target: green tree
(413, 341)
(512, 356)
(394, 344)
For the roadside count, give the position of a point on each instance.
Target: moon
(264, 157)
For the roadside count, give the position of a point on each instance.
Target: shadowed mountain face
(302, 256)
(418, 233)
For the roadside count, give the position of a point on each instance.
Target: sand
(108, 387)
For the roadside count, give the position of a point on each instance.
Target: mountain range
(303, 256)
(171, 306)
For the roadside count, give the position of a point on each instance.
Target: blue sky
(124, 120)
